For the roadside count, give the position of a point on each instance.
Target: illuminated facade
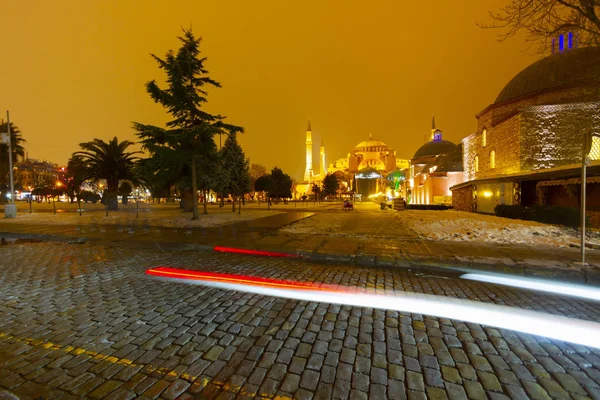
(367, 156)
(435, 167)
(528, 144)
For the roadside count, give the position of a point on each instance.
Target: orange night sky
(75, 70)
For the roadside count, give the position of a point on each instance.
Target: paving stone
(475, 390)
(535, 391)
(105, 389)
(291, 383)
(414, 381)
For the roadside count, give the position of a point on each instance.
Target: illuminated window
(595, 150)
(493, 159)
(484, 138)
(476, 163)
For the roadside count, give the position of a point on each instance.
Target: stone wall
(594, 218)
(502, 138)
(547, 110)
(551, 135)
(462, 199)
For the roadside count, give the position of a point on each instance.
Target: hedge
(567, 216)
(439, 207)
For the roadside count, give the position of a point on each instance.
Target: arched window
(484, 138)
(476, 163)
(493, 159)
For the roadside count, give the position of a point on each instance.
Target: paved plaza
(82, 320)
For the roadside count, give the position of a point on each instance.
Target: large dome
(371, 145)
(578, 67)
(435, 148)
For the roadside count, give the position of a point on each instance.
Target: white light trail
(585, 292)
(578, 331)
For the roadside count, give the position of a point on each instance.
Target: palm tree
(108, 161)
(17, 150)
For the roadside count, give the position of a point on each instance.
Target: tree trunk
(233, 203)
(112, 201)
(222, 204)
(205, 201)
(240, 206)
(186, 201)
(194, 189)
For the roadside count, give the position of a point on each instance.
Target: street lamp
(588, 137)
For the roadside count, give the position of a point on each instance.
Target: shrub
(87, 196)
(439, 207)
(567, 216)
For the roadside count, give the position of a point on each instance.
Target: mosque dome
(371, 145)
(368, 173)
(571, 68)
(395, 175)
(435, 148)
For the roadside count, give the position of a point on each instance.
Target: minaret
(432, 127)
(308, 171)
(322, 154)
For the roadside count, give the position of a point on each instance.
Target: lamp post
(586, 147)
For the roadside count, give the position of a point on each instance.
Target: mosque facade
(363, 172)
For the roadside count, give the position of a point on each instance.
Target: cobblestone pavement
(81, 320)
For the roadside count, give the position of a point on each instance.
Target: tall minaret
(322, 154)
(432, 127)
(308, 171)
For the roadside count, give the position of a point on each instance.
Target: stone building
(369, 160)
(30, 174)
(528, 145)
(435, 167)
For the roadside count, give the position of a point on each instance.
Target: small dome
(578, 67)
(451, 162)
(395, 174)
(368, 173)
(435, 148)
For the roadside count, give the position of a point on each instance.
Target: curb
(589, 275)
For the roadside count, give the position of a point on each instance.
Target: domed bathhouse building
(528, 145)
(435, 167)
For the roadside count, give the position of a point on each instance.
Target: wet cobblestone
(83, 321)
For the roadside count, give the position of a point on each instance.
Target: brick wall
(462, 199)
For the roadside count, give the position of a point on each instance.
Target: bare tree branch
(543, 20)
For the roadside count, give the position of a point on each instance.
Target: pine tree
(234, 161)
(189, 136)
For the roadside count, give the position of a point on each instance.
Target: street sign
(5, 138)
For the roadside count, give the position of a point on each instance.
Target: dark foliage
(438, 207)
(567, 216)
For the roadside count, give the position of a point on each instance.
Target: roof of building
(570, 67)
(435, 148)
(451, 162)
(368, 173)
(395, 174)
(367, 145)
